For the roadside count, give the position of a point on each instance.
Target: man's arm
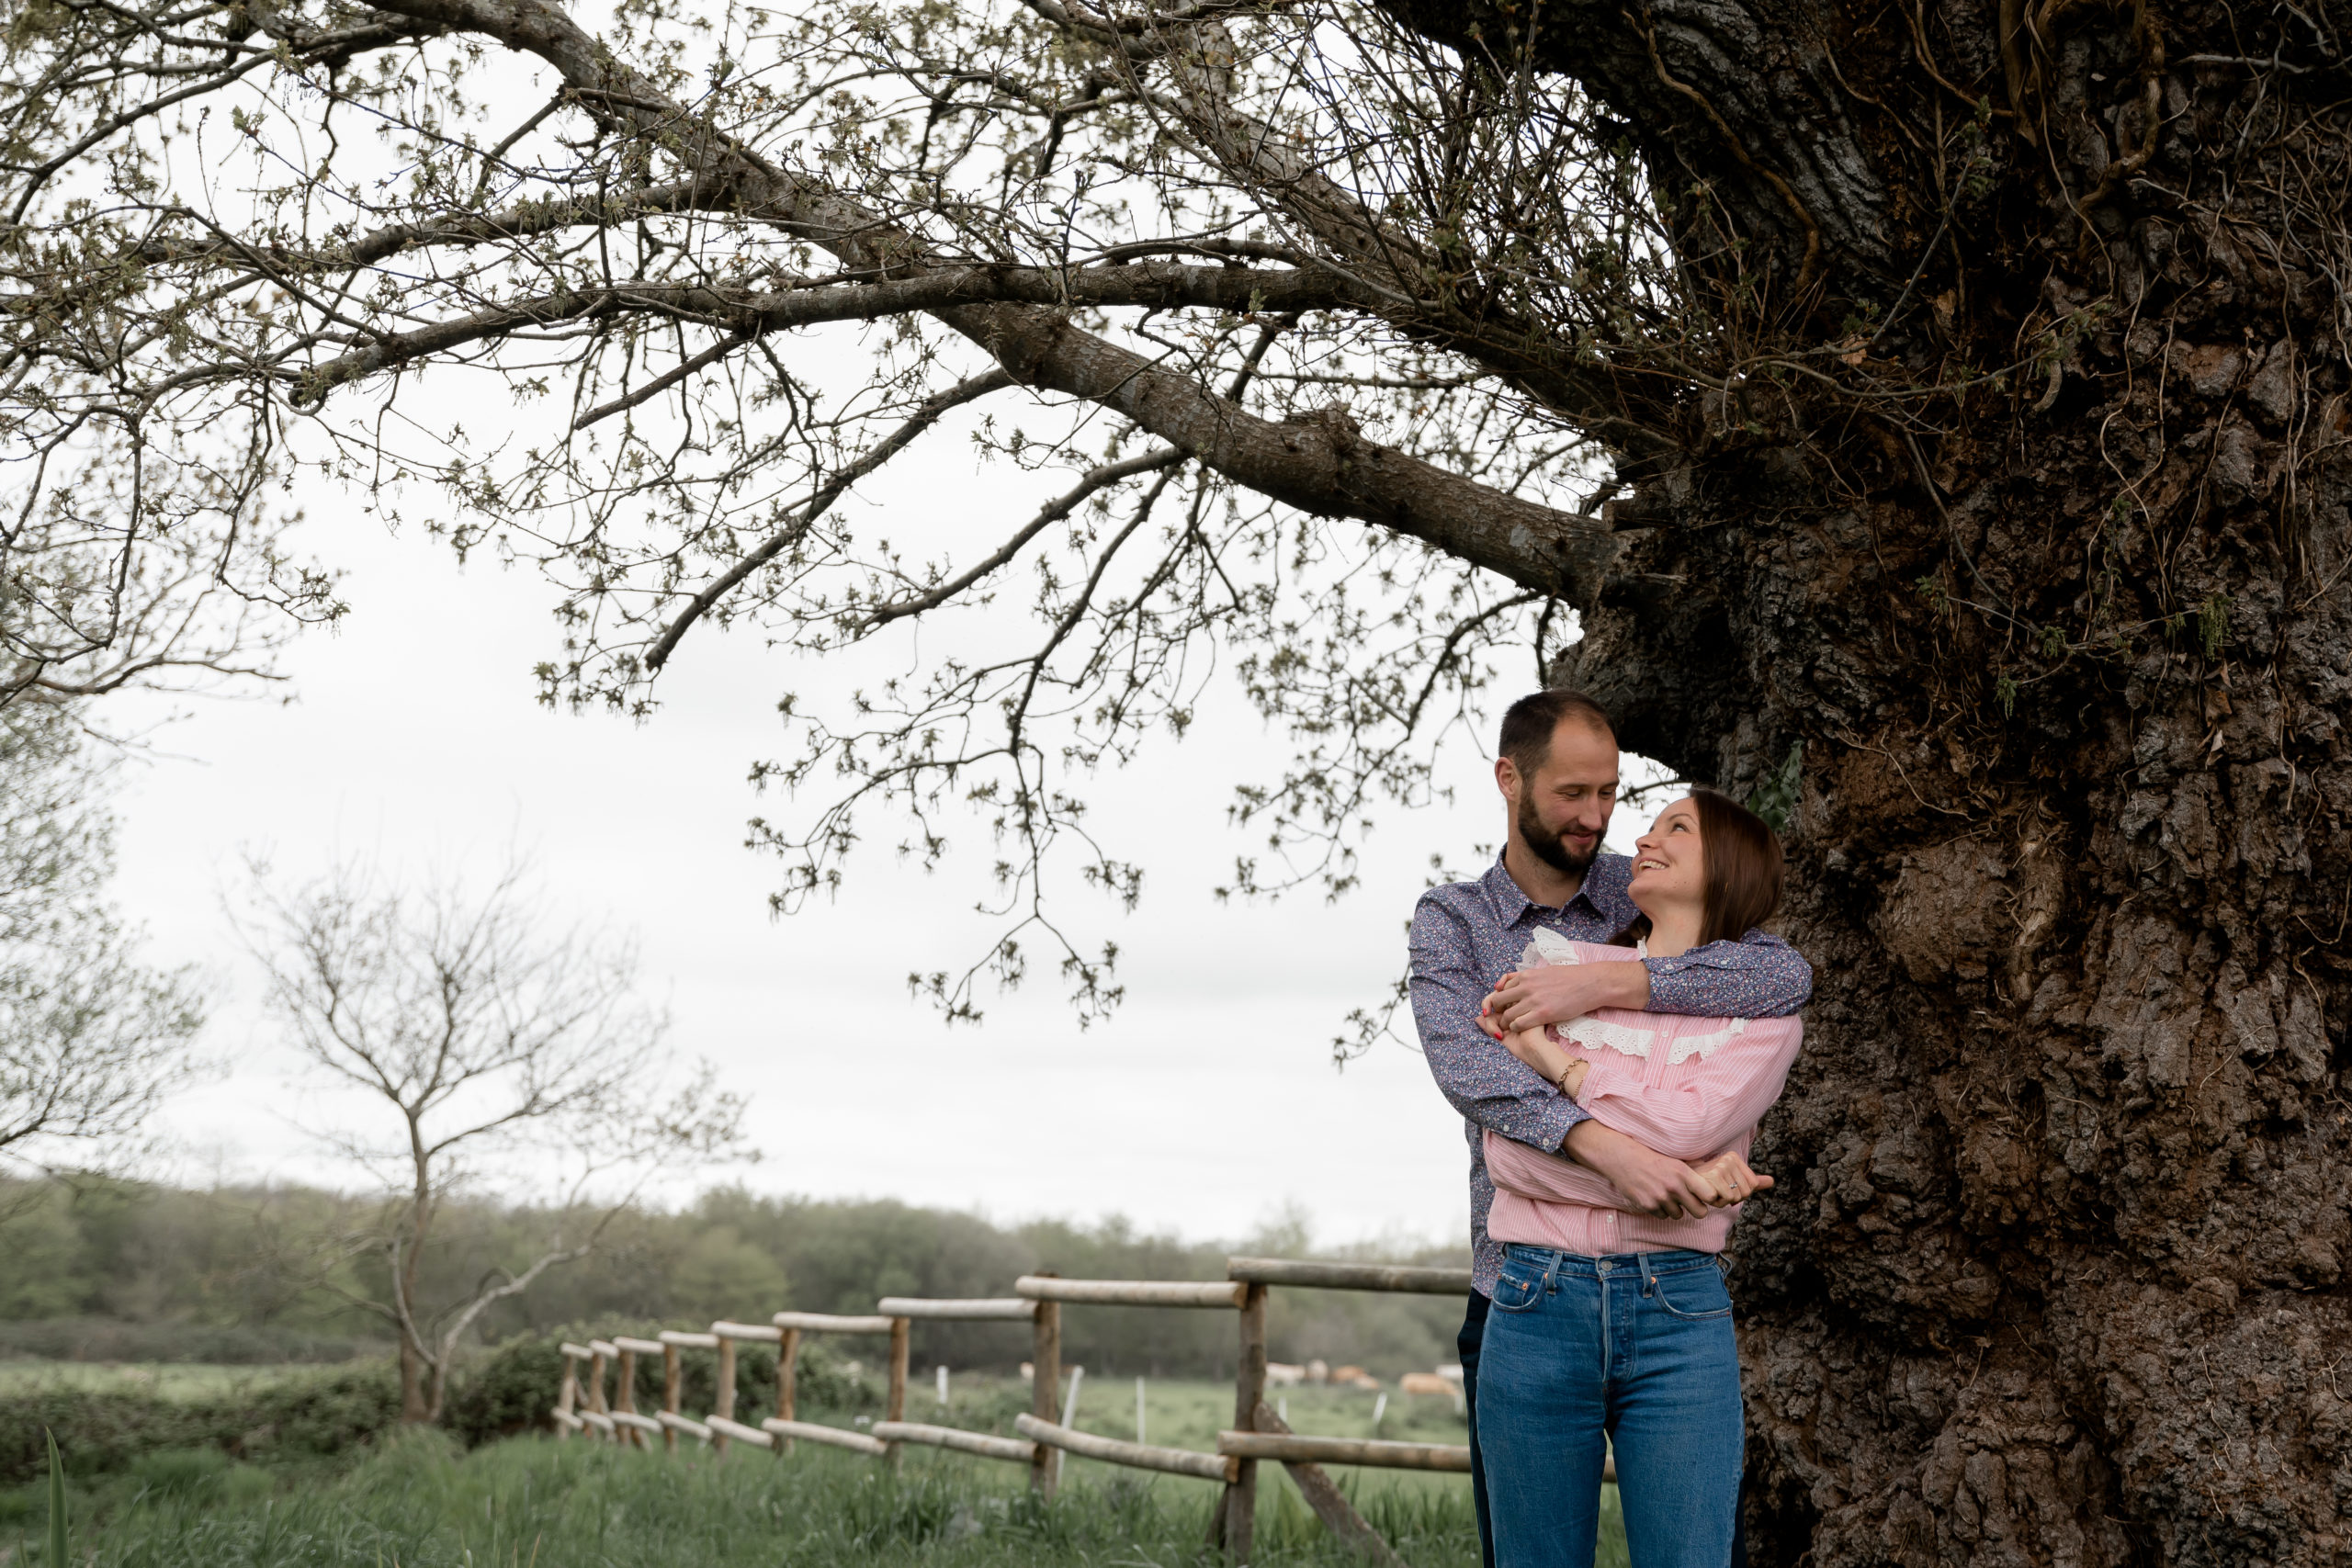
(1758, 977)
(1606, 1169)
(1478, 1077)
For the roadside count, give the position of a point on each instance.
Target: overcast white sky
(1209, 1103)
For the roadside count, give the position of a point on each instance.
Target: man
(1557, 774)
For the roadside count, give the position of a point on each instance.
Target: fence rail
(1258, 1434)
(1137, 1456)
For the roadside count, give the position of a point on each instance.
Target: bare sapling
(477, 1053)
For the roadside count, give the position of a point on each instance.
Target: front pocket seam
(1534, 1293)
(1658, 1294)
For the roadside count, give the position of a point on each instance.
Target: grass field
(421, 1501)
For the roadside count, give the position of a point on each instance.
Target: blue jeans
(1638, 1346)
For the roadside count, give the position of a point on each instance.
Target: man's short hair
(1528, 724)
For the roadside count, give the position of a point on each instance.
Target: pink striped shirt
(1690, 1087)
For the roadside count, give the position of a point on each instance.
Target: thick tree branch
(1741, 95)
(749, 313)
(1323, 467)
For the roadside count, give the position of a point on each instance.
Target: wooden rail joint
(1135, 1456)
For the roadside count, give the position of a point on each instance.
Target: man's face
(1561, 810)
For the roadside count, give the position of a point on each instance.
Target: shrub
(109, 1432)
(107, 1340)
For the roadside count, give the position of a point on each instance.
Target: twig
(923, 419)
(1054, 509)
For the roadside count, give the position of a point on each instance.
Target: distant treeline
(120, 1272)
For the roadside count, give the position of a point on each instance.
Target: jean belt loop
(1649, 1275)
(1552, 1271)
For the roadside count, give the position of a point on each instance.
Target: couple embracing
(1611, 1029)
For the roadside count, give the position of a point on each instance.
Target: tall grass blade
(56, 1503)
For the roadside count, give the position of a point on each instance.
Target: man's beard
(1547, 845)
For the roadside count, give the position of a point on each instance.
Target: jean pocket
(1692, 1295)
(1519, 1288)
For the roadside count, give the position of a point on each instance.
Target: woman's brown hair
(1743, 865)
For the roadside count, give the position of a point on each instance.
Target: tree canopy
(91, 1037)
(1310, 330)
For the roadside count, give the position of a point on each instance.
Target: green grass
(183, 1381)
(420, 1502)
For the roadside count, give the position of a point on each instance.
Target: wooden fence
(1257, 1434)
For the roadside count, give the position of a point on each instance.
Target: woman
(1611, 1323)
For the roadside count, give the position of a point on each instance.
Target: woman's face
(1669, 861)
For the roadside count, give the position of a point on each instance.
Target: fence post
(1069, 1416)
(597, 1380)
(674, 1379)
(567, 1394)
(788, 1369)
(901, 1337)
(722, 1402)
(1249, 1388)
(1045, 1390)
(625, 1396)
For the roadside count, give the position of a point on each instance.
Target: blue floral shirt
(1467, 935)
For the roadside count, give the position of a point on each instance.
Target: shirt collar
(1607, 874)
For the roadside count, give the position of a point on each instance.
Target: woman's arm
(1540, 1051)
(1726, 1094)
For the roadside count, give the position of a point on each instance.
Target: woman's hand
(1731, 1178)
(1489, 1021)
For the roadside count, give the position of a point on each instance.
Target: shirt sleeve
(1479, 1077)
(1758, 977)
(1698, 1117)
(1548, 1179)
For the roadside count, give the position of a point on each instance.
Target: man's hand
(1555, 993)
(1659, 1184)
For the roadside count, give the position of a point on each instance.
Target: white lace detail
(1595, 1032)
(1549, 946)
(1704, 1046)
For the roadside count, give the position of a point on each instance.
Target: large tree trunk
(2055, 1271)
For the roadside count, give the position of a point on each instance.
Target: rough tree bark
(2056, 1271)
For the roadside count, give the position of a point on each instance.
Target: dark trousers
(1472, 1335)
